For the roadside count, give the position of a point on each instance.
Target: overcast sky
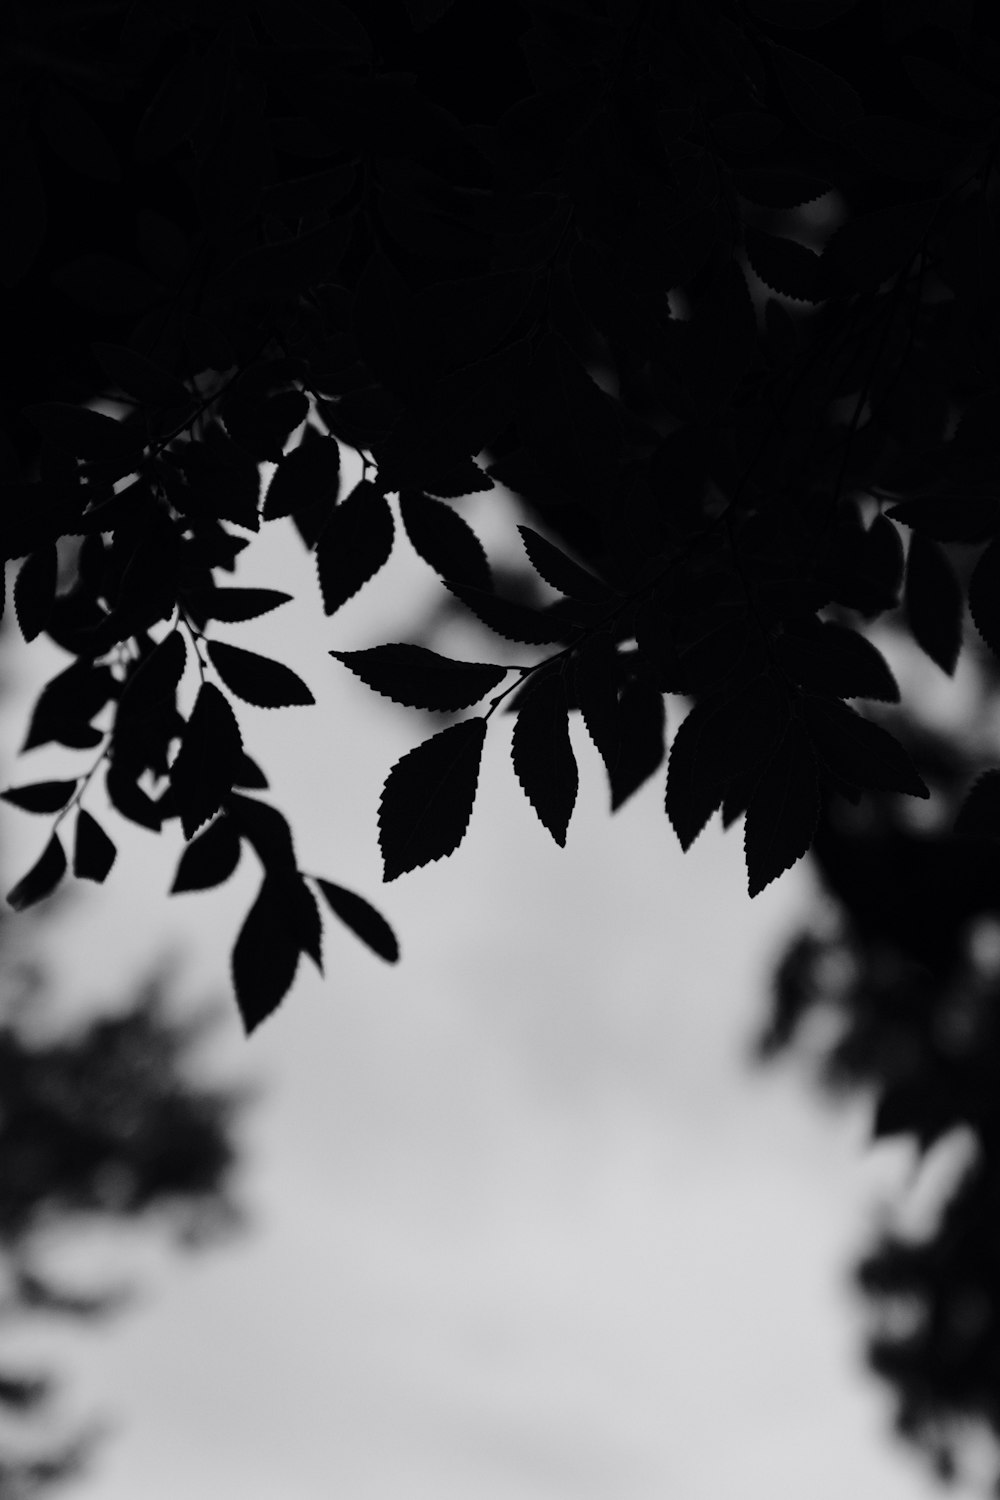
(526, 1225)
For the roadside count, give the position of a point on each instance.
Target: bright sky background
(526, 1225)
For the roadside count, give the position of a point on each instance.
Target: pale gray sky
(527, 1227)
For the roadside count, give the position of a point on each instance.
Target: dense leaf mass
(701, 287)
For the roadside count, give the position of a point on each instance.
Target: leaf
(35, 590)
(783, 811)
(979, 815)
(209, 859)
(595, 667)
(642, 723)
(984, 605)
(265, 957)
(542, 754)
(362, 918)
(444, 540)
(946, 518)
(932, 596)
(250, 774)
(823, 657)
(235, 604)
(516, 622)
(93, 851)
(722, 737)
(552, 564)
(42, 796)
(84, 433)
(154, 685)
(427, 799)
(823, 100)
(257, 679)
(783, 265)
(419, 678)
(567, 420)
(202, 773)
(353, 545)
(141, 377)
(308, 474)
(176, 109)
(854, 748)
(43, 877)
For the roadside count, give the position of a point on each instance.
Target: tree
(705, 283)
(103, 1124)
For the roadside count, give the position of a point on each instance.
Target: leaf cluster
(705, 290)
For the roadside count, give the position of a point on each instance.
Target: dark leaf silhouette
(829, 658)
(516, 622)
(362, 918)
(42, 797)
(93, 851)
(951, 518)
(823, 99)
(444, 540)
(542, 754)
(87, 434)
(308, 474)
(141, 377)
(783, 810)
(43, 877)
(871, 247)
(205, 766)
(35, 591)
(154, 685)
(209, 859)
(642, 725)
(783, 265)
(933, 599)
(595, 680)
(552, 564)
(427, 799)
(265, 956)
(257, 679)
(235, 603)
(421, 678)
(353, 545)
(858, 750)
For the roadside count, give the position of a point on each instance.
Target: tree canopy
(706, 284)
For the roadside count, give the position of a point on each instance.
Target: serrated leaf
(444, 540)
(932, 596)
(552, 564)
(642, 721)
(140, 376)
(43, 877)
(979, 815)
(41, 797)
(595, 667)
(235, 604)
(308, 474)
(823, 657)
(783, 811)
(75, 135)
(783, 265)
(854, 748)
(353, 545)
(779, 188)
(984, 604)
(419, 678)
(203, 770)
(516, 622)
(89, 434)
(427, 799)
(265, 957)
(871, 247)
(35, 590)
(93, 851)
(209, 859)
(946, 518)
(362, 918)
(154, 685)
(257, 679)
(542, 754)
